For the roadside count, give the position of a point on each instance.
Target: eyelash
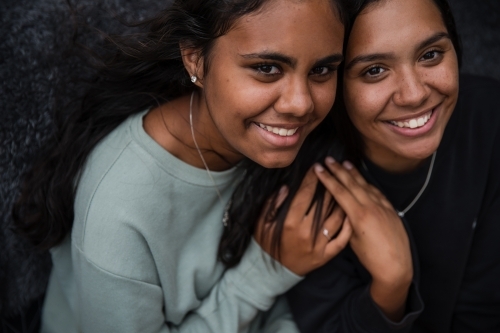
(438, 53)
(365, 73)
(259, 70)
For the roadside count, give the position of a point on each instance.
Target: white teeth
(413, 123)
(278, 130)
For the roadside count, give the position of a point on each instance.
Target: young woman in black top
(435, 154)
(421, 190)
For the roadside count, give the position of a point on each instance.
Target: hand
(302, 249)
(379, 238)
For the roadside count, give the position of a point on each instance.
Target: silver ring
(326, 233)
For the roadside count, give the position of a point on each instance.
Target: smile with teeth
(413, 123)
(279, 130)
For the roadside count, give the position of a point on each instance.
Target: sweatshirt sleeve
(111, 303)
(335, 298)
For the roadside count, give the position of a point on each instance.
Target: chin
(275, 162)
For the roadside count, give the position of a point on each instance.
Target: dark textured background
(36, 65)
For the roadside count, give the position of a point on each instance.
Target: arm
(336, 298)
(369, 288)
(112, 303)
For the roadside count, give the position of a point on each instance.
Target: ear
(193, 62)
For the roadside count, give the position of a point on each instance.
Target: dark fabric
(454, 227)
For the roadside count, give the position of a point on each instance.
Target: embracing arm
(369, 287)
(112, 303)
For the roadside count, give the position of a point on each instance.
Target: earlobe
(193, 62)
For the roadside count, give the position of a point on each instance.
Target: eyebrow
(433, 39)
(388, 56)
(292, 62)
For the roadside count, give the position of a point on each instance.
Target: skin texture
(407, 81)
(298, 252)
(245, 86)
(399, 64)
(277, 67)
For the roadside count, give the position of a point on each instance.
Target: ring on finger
(326, 233)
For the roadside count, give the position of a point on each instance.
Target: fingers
(342, 195)
(263, 226)
(332, 225)
(302, 200)
(339, 243)
(351, 170)
(282, 194)
(350, 178)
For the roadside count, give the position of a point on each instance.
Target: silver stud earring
(193, 78)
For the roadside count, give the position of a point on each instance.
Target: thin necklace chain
(429, 173)
(225, 218)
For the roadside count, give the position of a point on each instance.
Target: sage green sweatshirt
(142, 254)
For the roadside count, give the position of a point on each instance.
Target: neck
(169, 126)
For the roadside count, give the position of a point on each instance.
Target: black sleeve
(336, 298)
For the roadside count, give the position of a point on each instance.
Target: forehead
(282, 22)
(389, 24)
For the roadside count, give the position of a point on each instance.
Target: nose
(295, 98)
(412, 90)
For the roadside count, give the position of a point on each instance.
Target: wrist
(391, 297)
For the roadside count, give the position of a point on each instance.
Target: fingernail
(330, 160)
(348, 165)
(318, 168)
(282, 190)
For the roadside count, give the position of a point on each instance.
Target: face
(271, 80)
(401, 81)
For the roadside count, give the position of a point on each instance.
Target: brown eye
(268, 69)
(429, 55)
(323, 70)
(374, 71)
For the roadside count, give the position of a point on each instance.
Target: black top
(454, 231)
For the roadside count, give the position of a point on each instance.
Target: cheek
(323, 96)
(444, 78)
(235, 98)
(364, 103)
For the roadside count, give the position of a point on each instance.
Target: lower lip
(278, 140)
(419, 131)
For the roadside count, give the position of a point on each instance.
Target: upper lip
(414, 115)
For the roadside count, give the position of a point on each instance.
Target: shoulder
(479, 93)
(120, 201)
(478, 106)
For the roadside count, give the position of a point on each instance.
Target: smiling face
(271, 80)
(401, 81)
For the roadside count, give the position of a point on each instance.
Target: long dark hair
(143, 70)
(336, 137)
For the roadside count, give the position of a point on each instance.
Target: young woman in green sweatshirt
(131, 192)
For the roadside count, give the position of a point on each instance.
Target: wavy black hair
(139, 72)
(336, 137)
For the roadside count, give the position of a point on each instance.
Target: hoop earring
(194, 78)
